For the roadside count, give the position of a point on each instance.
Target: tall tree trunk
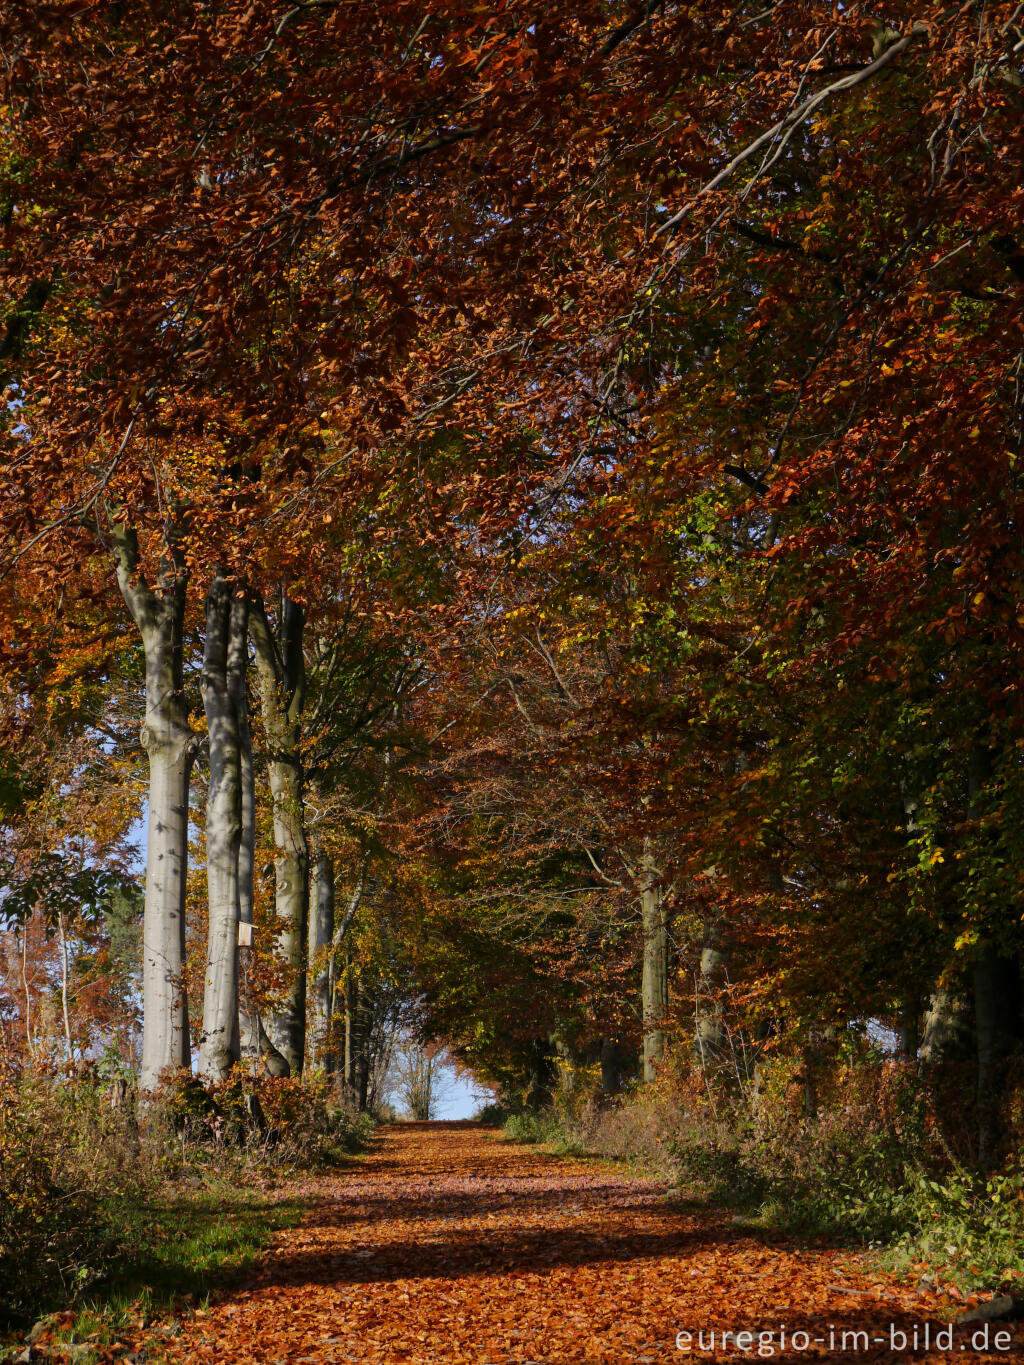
(945, 1035)
(996, 999)
(349, 1054)
(321, 960)
(359, 1039)
(224, 666)
(29, 1040)
(710, 1034)
(613, 1062)
(944, 1029)
(170, 746)
(356, 1037)
(654, 984)
(996, 1009)
(909, 1029)
(64, 999)
(337, 1056)
(282, 682)
(254, 1043)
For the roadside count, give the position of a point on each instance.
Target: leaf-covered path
(447, 1244)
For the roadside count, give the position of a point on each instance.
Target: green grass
(175, 1253)
(530, 1127)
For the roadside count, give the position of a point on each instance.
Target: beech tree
(170, 744)
(224, 688)
(682, 346)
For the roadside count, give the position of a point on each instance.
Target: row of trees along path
(450, 1245)
(600, 425)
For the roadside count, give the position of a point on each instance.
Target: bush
(493, 1113)
(263, 1121)
(871, 1165)
(972, 1230)
(76, 1169)
(66, 1159)
(532, 1127)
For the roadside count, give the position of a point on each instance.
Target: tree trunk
(942, 1036)
(613, 1063)
(282, 682)
(945, 1035)
(540, 1076)
(996, 1010)
(359, 1040)
(247, 834)
(29, 1041)
(254, 1043)
(355, 1040)
(170, 745)
(64, 1000)
(224, 666)
(654, 985)
(337, 1058)
(996, 1000)
(321, 960)
(364, 1077)
(347, 1061)
(709, 1027)
(910, 1039)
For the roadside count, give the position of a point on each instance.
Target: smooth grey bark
(281, 673)
(247, 835)
(225, 659)
(944, 1035)
(170, 746)
(254, 1044)
(710, 1036)
(64, 984)
(321, 960)
(654, 982)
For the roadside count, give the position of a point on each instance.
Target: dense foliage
(601, 422)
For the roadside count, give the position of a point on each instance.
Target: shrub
(532, 1127)
(492, 1113)
(264, 1121)
(75, 1169)
(65, 1159)
(971, 1230)
(871, 1164)
(307, 1124)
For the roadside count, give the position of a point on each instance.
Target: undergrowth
(106, 1215)
(869, 1166)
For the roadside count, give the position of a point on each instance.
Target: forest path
(447, 1244)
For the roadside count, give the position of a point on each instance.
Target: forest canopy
(517, 506)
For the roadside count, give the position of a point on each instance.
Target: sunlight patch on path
(448, 1245)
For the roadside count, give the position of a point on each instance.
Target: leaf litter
(446, 1244)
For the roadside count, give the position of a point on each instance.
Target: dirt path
(447, 1244)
